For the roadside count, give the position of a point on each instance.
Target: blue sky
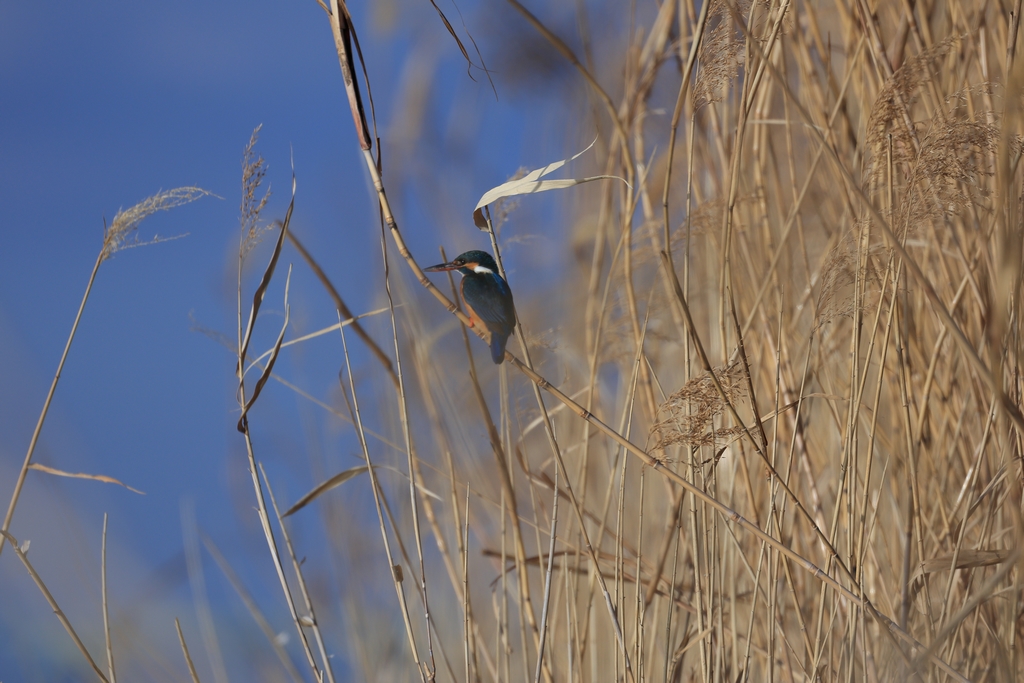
(105, 104)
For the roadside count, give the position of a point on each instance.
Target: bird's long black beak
(440, 267)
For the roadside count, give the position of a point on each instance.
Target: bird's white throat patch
(481, 269)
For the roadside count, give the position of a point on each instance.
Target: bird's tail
(498, 348)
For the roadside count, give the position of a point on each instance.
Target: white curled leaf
(531, 183)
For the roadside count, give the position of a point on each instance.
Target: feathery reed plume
(839, 275)
(254, 170)
(889, 113)
(948, 172)
(122, 233)
(687, 416)
(719, 56)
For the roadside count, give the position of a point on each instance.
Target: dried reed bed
(829, 223)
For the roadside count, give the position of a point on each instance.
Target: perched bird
(487, 296)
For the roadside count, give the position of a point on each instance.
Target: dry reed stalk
(396, 569)
(253, 171)
(253, 608)
(308, 619)
(185, 652)
(20, 553)
(106, 615)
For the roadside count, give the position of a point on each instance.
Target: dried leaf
(274, 353)
(967, 558)
(337, 480)
(531, 183)
(81, 475)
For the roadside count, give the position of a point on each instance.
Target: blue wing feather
(491, 300)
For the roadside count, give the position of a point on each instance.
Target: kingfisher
(487, 296)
